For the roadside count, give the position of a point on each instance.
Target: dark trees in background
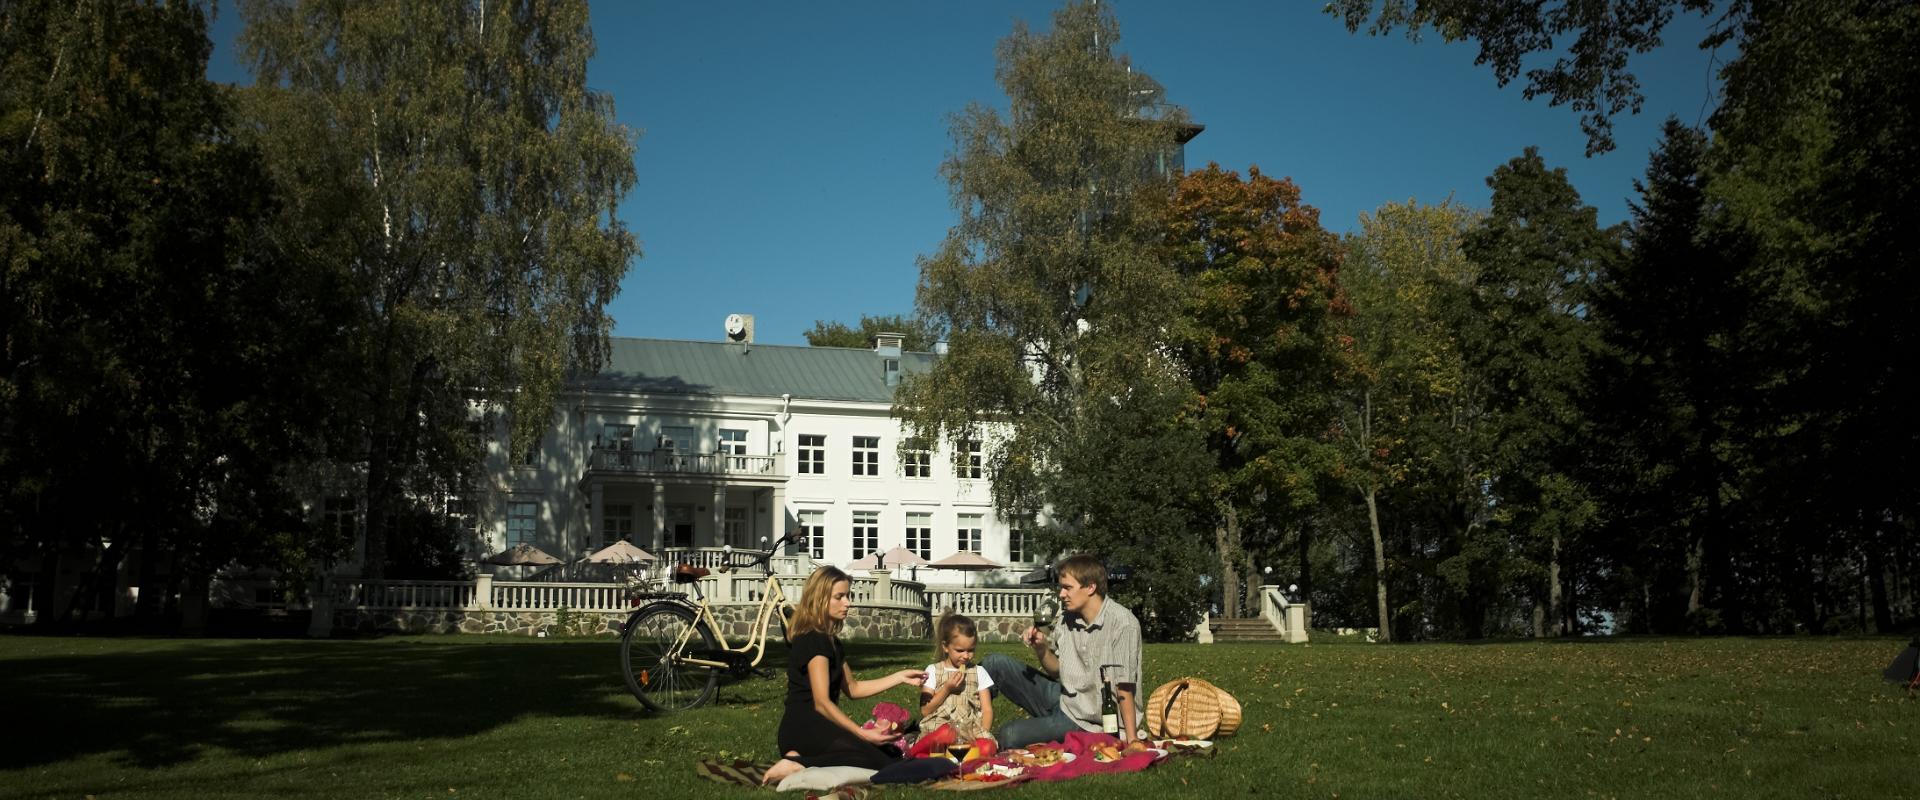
(164, 366)
(920, 335)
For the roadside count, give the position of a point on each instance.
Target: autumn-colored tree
(1256, 342)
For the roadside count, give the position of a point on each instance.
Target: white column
(1296, 623)
(598, 516)
(720, 516)
(320, 597)
(659, 517)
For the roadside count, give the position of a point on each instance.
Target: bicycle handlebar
(766, 557)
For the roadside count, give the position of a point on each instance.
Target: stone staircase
(1254, 630)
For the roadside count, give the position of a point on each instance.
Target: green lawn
(471, 716)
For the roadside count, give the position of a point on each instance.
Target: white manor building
(684, 447)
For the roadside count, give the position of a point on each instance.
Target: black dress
(820, 741)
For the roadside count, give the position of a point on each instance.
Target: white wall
(564, 520)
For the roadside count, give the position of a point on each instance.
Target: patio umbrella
(892, 559)
(521, 555)
(621, 552)
(966, 561)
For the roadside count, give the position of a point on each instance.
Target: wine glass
(1045, 613)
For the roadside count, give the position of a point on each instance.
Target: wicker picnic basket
(1191, 708)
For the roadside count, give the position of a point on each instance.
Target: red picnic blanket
(1080, 744)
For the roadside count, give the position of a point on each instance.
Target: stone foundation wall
(736, 621)
(1002, 629)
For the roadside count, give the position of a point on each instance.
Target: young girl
(956, 691)
(814, 732)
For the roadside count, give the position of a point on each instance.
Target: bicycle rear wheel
(656, 676)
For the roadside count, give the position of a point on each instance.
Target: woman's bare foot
(780, 770)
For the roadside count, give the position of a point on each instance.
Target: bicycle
(671, 650)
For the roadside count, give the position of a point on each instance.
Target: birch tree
(451, 160)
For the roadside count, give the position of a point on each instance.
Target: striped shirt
(1083, 646)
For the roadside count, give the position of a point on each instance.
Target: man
(1063, 694)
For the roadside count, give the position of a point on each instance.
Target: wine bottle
(1109, 708)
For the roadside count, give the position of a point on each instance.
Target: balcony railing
(682, 462)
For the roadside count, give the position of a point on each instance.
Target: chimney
(739, 328)
(887, 346)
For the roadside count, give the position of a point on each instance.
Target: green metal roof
(667, 366)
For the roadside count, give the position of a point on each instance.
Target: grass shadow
(167, 701)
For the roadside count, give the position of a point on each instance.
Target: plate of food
(1109, 752)
(990, 772)
(1038, 755)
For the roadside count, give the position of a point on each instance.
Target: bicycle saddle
(688, 573)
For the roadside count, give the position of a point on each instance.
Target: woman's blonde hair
(950, 625)
(810, 614)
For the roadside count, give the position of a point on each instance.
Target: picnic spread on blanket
(1182, 717)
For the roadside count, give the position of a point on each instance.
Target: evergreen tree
(1539, 251)
(163, 359)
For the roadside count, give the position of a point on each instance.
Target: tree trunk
(1304, 545)
(1696, 581)
(193, 604)
(391, 457)
(1379, 565)
(1556, 601)
(1877, 586)
(373, 564)
(153, 595)
(1226, 537)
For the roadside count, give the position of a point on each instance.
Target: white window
(969, 533)
(530, 456)
(736, 526)
(970, 459)
(676, 437)
(1017, 549)
(813, 454)
(917, 460)
(920, 534)
(733, 445)
(814, 525)
(620, 441)
(616, 523)
(866, 532)
(337, 517)
(866, 455)
(522, 522)
(465, 513)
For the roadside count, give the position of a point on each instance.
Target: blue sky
(789, 153)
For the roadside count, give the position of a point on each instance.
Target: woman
(814, 732)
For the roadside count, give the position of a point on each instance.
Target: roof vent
(888, 344)
(739, 328)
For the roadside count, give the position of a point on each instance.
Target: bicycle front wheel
(655, 674)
